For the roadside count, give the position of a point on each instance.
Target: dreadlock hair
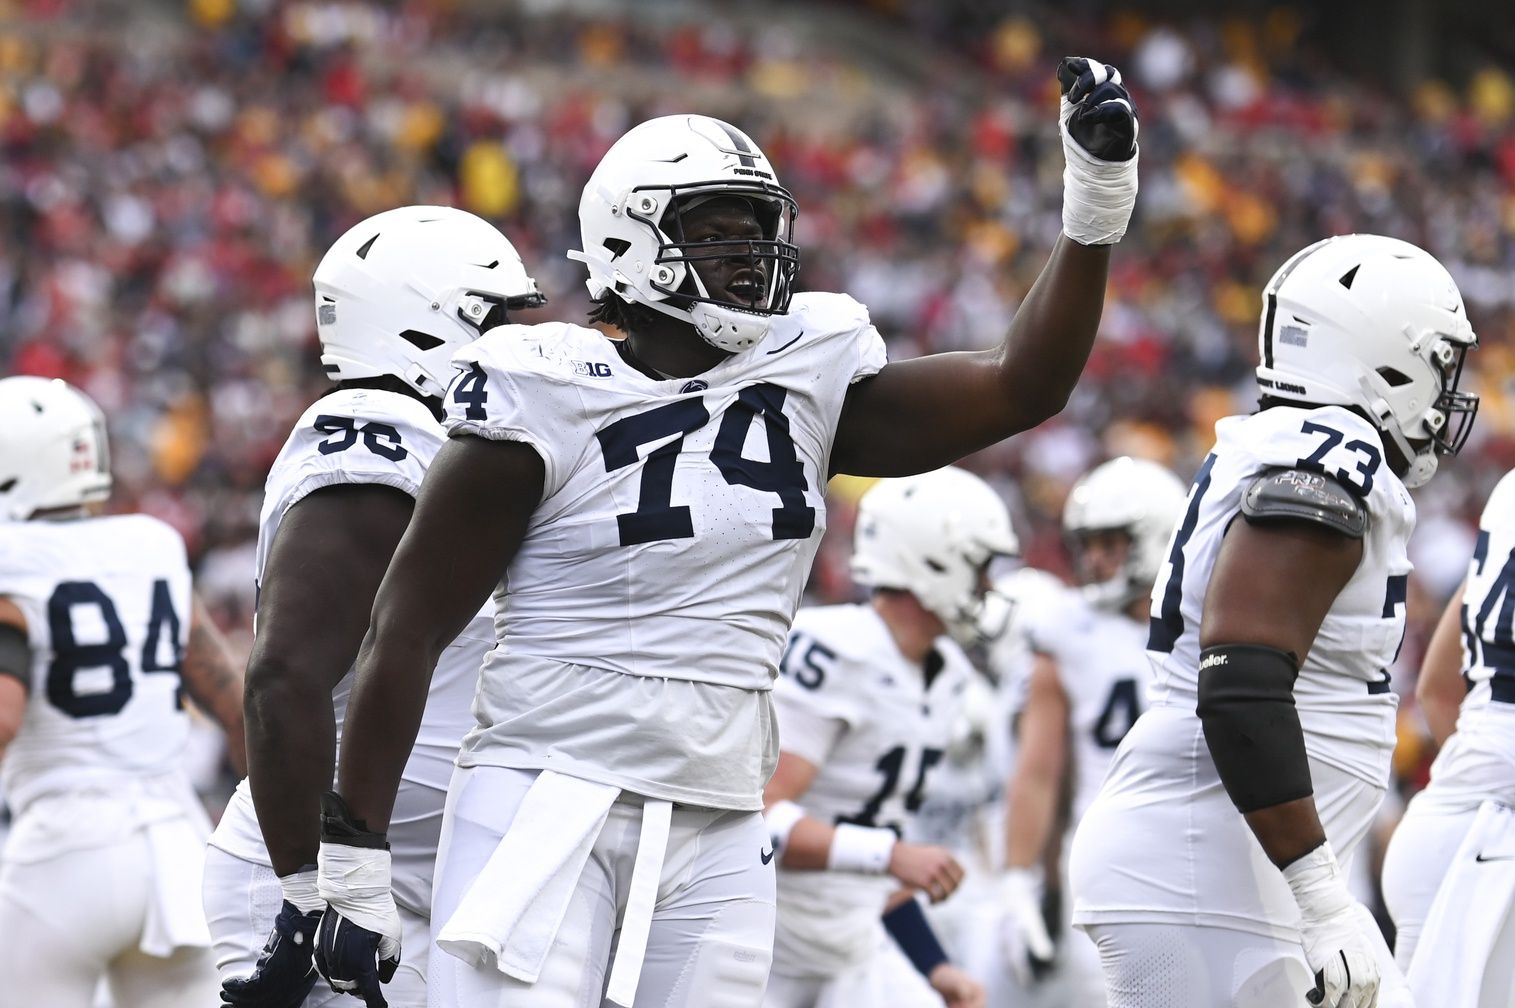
(613, 310)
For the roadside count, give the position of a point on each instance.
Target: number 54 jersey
(675, 532)
(107, 606)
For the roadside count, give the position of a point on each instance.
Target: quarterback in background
(395, 297)
(646, 512)
(1087, 686)
(100, 638)
(1207, 871)
(1449, 872)
(868, 699)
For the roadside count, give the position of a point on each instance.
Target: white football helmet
(401, 291)
(53, 449)
(1377, 324)
(932, 535)
(1131, 495)
(633, 237)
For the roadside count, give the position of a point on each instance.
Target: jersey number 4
(71, 656)
(656, 517)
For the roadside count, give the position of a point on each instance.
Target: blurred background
(173, 170)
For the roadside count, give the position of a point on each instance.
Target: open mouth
(749, 288)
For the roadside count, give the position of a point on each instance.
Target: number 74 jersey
(1346, 671)
(679, 517)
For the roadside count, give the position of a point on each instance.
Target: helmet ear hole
(1394, 377)
(420, 340)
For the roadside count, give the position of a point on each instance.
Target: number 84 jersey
(679, 517)
(1346, 671)
(107, 606)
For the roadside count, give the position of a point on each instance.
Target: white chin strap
(723, 328)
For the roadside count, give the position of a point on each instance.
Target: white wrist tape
(355, 880)
(861, 849)
(300, 890)
(1098, 196)
(781, 817)
(1318, 885)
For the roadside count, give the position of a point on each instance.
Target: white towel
(175, 912)
(641, 900)
(512, 912)
(1470, 909)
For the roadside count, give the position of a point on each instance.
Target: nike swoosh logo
(766, 855)
(1498, 857)
(786, 346)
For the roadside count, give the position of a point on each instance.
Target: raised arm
(921, 414)
(214, 681)
(1440, 689)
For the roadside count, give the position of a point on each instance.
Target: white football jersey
(368, 436)
(851, 704)
(675, 532)
(1475, 762)
(107, 606)
(1102, 667)
(1342, 692)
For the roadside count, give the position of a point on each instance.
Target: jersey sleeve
(842, 318)
(25, 580)
(503, 392)
(1332, 441)
(815, 707)
(352, 439)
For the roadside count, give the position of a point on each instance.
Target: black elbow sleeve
(1246, 705)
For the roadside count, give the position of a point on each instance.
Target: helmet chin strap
(1422, 465)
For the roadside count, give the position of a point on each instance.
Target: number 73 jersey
(1346, 671)
(107, 606)
(679, 517)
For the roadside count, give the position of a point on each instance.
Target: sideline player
(1274, 619)
(1449, 872)
(100, 638)
(867, 701)
(1087, 686)
(964, 810)
(653, 506)
(395, 297)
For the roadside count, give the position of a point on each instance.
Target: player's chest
(739, 465)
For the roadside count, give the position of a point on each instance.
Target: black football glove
(285, 972)
(1103, 118)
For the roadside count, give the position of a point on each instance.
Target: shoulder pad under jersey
(1299, 495)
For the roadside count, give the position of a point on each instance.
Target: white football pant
(884, 978)
(69, 920)
(710, 941)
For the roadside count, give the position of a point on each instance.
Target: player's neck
(668, 348)
(913, 629)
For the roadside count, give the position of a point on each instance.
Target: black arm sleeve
(16, 654)
(1246, 705)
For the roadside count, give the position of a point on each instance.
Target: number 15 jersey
(676, 529)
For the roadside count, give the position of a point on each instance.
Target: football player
(653, 505)
(1449, 872)
(1278, 610)
(1086, 687)
(100, 639)
(964, 810)
(867, 701)
(395, 296)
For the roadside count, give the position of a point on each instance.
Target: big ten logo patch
(591, 369)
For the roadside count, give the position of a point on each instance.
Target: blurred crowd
(171, 173)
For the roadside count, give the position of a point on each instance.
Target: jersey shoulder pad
(558, 350)
(819, 319)
(1049, 620)
(1499, 513)
(1282, 494)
